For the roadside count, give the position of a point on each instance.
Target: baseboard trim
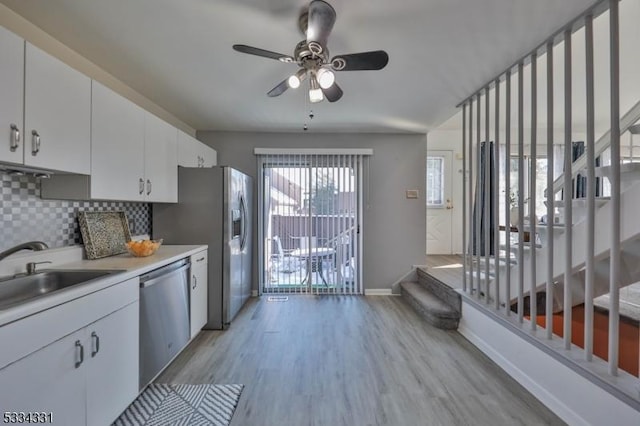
(561, 410)
(574, 398)
(379, 292)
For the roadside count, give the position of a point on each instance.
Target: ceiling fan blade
(374, 60)
(243, 48)
(279, 89)
(333, 93)
(321, 19)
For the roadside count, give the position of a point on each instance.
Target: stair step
(433, 309)
(526, 226)
(440, 289)
(502, 259)
(481, 274)
(514, 247)
(580, 202)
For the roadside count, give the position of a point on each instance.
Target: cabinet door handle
(141, 186)
(15, 137)
(35, 143)
(195, 282)
(200, 260)
(96, 347)
(148, 187)
(80, 353)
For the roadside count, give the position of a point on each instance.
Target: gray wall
(394, 227)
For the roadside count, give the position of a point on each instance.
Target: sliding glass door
(310, 224)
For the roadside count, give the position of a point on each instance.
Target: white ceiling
(179, 55)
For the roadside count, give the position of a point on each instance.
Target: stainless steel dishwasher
(164, 317)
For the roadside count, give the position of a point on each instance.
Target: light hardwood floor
(353, 360)
(446, 267)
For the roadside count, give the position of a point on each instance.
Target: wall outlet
(412, 193)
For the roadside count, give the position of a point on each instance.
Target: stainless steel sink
(14, 291)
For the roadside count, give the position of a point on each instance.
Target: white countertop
(128, 266)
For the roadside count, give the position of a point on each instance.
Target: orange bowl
(143, 248)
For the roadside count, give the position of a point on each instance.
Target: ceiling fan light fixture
(315, 92)
(315, 95)
(325, 77)
(294, 81)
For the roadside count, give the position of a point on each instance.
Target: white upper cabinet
(57, 114)
(193, 153)
(187, 150)
(133, 155)
(117, 146)
(11, 101)
(209, 155)
(161, 163)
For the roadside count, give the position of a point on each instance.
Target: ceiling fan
(312, 56)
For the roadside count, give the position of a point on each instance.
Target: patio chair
(282, 261)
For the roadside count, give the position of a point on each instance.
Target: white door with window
(439, 202)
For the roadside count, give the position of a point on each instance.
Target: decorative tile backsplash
(26, 217)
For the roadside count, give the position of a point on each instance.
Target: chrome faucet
(31, 245)
(31, 266)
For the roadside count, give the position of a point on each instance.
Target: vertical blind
(310, 222)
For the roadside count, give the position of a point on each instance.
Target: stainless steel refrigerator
(215, 207)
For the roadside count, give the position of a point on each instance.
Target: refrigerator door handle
(243, 223)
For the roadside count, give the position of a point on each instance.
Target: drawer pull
(35, 143)
(80, 358)
(96, 347)
(15, 138)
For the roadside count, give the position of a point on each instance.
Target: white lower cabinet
(199, 292)
(47, 381)
(88, 376)
(111, 355)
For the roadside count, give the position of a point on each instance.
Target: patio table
(317, 255)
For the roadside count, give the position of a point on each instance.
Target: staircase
(630, 255)
(436, 302)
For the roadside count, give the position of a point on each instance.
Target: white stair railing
(477, 109)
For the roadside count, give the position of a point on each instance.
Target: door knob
(449, 205)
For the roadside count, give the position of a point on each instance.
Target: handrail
(628, 120)
(341, 234)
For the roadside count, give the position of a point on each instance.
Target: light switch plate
(412, 193)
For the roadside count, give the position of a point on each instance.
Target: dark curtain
(487, 159)
(580, 182)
